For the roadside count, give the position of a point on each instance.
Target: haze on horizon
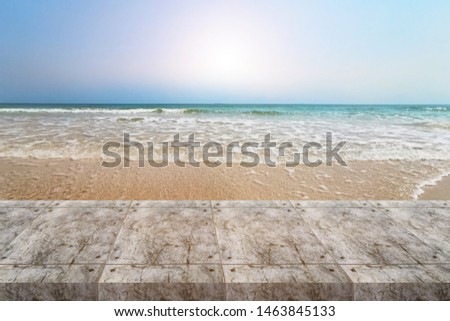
(255, 51)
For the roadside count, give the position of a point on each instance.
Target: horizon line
(216, 103)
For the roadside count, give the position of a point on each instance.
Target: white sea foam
(429, 182)
(438, 108)
(52, 132)
(79, 133)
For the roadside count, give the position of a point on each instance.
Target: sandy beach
(87, 180)
(392, 152)
(439, 191)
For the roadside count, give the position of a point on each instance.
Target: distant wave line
(156, 110)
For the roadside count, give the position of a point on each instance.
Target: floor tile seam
(113, 243)
(218, 244)
(315, 234)
(224, 264)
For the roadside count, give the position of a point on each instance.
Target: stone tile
(166, 236)
(399, 282)
(368, 236)
(406, 273)
(242, 204)
(170, 204)
(441, 204)
(327, 204)
(440, 271)
(162, 282)
(287, 282)
(90, 204)
(160, 250)
(66, 235)
(49, 282)
(24, 203)
(431, 225)
(410, 204)
(267, 236)
(13, 220)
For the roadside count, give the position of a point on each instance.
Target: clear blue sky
(280, 51)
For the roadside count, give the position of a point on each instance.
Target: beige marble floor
(224, 250)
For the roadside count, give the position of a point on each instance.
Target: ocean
(372, 132)
(408, 136)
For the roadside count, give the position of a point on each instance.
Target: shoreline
(38, 179)
(440, 190)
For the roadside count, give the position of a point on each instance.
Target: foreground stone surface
(224, 250)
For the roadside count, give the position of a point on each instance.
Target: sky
(255, 51)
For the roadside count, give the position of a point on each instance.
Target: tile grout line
(231, 264)
(111, 249)
(218, 249)
(325, 247)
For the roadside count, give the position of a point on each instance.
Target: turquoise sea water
(426, 116)
(373, 132)
(411, 111)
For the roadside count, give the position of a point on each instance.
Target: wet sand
(439, 191)
(87, 180)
